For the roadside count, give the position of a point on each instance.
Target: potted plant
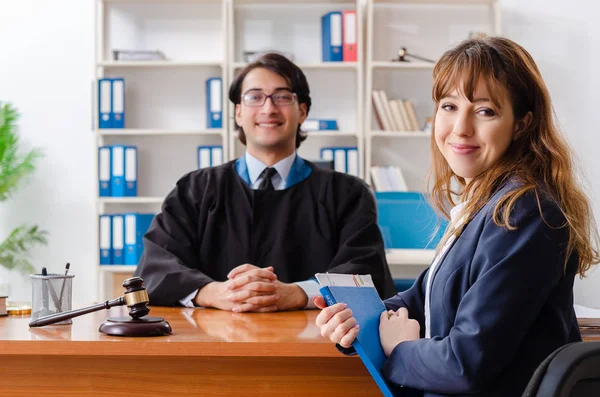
(14, 168)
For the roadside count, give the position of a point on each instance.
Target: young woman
(498, 297)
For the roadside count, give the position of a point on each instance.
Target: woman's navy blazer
(501, 301)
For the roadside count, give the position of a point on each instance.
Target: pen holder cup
(51, 294)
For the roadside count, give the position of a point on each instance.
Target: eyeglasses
(258, 99)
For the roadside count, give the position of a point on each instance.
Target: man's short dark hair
(279, 64)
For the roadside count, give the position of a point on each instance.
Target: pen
(62, 288)
(44, 289)
(52, 291)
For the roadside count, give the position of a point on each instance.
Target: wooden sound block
(127, 326)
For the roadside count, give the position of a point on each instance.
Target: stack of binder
(111, 103)
(210, 156)
(117, 171)
(121, 237)
(345, 159)
(338, 34)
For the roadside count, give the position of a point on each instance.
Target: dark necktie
(266, 183)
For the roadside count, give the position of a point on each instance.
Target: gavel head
(136, 297)
(402, 54)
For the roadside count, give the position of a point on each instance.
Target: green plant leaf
(13, 167)
(13, 250)
(13, 170)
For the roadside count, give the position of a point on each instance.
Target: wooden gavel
(135, 297)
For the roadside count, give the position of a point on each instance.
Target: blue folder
(118, 103)
(366, 308)
(331, 35)
(214, 103)
(104, 171)
(105, 112)
(117, 239)
(131, 171)
(136, 225)
(408, 221)
(105, 235)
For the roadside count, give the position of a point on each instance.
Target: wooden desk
(211, 353)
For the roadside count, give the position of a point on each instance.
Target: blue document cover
(331, 35)
(105, 112)
(117, 176)
(136, 225)
(118, 103)
(105, 232)
(214, 103)
(118, 242)
(131, 170)
(366, 307)
(104, 165)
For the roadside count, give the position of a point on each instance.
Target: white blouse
(455, 212)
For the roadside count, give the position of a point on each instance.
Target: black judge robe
(213, 221)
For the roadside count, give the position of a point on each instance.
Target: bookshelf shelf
(135, 131)
(162, 1)
(158, 64)
(435, 2)
(117, 268)
(399, 134)
(318, 65)
(324, 3)
(130, 200)
(408, 257)
(401, 65)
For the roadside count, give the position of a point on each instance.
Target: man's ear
(238, 114)
(303, 113)
(522, 125)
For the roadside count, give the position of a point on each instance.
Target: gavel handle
(55, 318)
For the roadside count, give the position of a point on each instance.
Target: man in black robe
(250, 235)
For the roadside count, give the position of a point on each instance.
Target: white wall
(46, 70)
(564, 39)
(46, 66)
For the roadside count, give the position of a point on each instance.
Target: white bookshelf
(165, 109)
(294, 26)
(426, 28)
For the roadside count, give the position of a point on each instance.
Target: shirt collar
(256, 167)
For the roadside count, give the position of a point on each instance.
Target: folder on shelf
(345, 159)
(131, 168)
(216, 155)
(349, 36)
(136, 225)
(319, 125)
(352, 161)
(105, 234)
(118, 103)
(203, 157)
(331, 35)
(326, 154)
(210, 156)
(118, 170)
(105, 103)
(104, 164)
(359, 294)
(214, 101)
(118, 242)
(339, 160)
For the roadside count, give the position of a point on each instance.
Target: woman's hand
(336, 322)
(396, 327)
